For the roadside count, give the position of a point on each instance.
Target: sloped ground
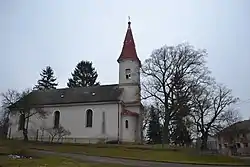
(120, 161)
(121, 153)
(142, 153)
(17, 155)
(50, 161)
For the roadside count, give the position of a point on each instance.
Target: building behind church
(91, 114)
(235, 139)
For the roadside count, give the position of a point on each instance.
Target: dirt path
(135, 163)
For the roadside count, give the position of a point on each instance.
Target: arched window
(21, 122)
(89, 116)
(126, 124)
(56, 119)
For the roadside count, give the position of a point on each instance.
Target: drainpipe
(118, 126)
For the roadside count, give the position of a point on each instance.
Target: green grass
(138, 152)
(163, 155)
(49, 162)
(17, 147)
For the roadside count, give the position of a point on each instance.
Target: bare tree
(25, 110)
(3, 128)
(8, 98)
(212, 110)
(158, 72)
(59, 132)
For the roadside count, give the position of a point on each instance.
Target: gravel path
(135, 163)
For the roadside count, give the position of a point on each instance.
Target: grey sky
(60, 33)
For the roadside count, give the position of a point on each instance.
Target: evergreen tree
(180, 123)
(83, 75)
(154, 132)
(47, 81)
(181, 134)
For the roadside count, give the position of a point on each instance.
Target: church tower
(129, 81)
(129, 70)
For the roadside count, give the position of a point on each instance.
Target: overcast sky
(60, 33)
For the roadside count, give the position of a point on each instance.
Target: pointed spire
(128, 50)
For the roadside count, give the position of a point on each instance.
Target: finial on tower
(129, 22)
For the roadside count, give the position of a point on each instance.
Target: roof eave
(119, 60)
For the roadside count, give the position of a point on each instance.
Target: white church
(110, 112)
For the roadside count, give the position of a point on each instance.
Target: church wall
(131, 93)
(133, 133)
(129, 133)
(13, 130)
(137, 125)
(73, 118)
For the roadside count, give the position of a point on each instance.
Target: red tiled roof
(129, 113)
(128, 50)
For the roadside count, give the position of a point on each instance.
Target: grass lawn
(183, 156)
(137, 152)
(49, 162)
(7, 148)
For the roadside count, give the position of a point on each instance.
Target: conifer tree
(180, 123)
(154, 132)
(181, 135)
(84, 75)
(47, 81)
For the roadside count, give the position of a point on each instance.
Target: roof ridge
(67, 88)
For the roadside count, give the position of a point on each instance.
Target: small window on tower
(128, 73)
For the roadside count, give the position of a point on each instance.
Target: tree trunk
(165, 131)
(25, 130)
(5, 127)
(25, 135)
(52, 138)
(204, 138)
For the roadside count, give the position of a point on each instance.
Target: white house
(112, 112)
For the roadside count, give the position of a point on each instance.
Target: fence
(43, 136)
(69, 139)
